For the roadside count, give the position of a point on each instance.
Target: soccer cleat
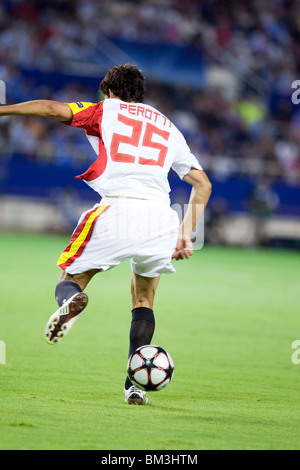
(60, 323)
(135, 396)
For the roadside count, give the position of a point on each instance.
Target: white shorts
(115, 230)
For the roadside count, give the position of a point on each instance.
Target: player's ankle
(65, 290)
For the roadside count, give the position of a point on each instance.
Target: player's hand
(184, 248)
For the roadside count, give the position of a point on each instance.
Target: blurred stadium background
(222, 71)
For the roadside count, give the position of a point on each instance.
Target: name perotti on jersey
(135, 145)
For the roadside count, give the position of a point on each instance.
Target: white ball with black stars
(150, 368)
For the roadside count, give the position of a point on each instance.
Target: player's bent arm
(199, 197)
(39, 108)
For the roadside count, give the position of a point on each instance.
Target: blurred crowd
(252, 130)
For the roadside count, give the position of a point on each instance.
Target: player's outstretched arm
(199, 197)
(39, 108)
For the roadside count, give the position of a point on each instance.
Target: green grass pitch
(228, 317)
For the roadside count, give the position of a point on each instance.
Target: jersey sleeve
(87, 116)
(184, 160)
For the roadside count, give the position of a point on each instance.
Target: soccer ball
(150, 368)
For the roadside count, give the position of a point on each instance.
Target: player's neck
(111, 95)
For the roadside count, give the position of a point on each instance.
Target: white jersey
(136, 146)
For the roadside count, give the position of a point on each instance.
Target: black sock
(64, 290)
(141, 331)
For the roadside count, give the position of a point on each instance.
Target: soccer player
(135, 146)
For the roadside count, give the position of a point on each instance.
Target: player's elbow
(50, 109)
(203, 185)
(44, 108)
(206, 183)
(202, 191)
(56, 110)
(208, 187)
(199, 180)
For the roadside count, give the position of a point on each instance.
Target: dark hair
(126, 82)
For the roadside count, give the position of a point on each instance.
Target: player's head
(126, 82)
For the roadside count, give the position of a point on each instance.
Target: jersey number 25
(134, 140)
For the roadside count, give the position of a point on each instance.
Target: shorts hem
(154, 273)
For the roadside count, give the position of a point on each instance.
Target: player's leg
(79, 259)
(71, 301)
(142, 325)
(143, 322)
(143, 290)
